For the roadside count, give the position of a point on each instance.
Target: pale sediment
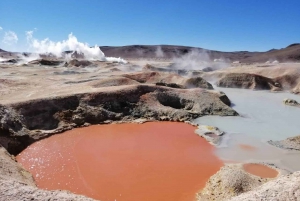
(284, 188)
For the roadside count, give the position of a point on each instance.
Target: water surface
(153, 161)
(260, 170)
(263, 117)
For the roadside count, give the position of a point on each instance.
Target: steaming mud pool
(124, 162)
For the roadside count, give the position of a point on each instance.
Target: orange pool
(161, 161)
(247, 147)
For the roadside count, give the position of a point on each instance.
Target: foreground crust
(283, 188)
(232, 180)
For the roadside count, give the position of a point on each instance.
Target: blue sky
(226, 25)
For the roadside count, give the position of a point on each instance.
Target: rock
(10, 61)
(291, 102)
(197, 82)
(78, 63)
(284, 188)
(292, 143)
(212, 134)
(231, 180)
(172, 85)
(224, 98)
(207, 69)
(149, 67)
(248, 81)
(46, 62)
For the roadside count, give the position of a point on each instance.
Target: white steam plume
(10, 38)
(159, 53)
(47, 46)
(198, 60)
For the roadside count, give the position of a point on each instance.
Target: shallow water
(264, 117)
(264, 114)
(260, 170)
(126, 162)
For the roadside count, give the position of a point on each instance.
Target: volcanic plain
(49, 96)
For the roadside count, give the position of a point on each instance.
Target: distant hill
(290, 53)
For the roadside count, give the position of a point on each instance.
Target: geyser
(151, 161)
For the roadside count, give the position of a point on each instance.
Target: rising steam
(198, 60)
(57, 49)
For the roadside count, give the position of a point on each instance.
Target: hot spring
(150, 161)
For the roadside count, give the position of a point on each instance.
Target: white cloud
(10, 38)
(1, 28)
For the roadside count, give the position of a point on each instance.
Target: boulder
(291, 102)
(197, 82)
(78, 63)
(46, 62)
(212, 134)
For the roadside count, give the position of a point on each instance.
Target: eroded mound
(248, 81)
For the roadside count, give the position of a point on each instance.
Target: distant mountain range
(290, 53)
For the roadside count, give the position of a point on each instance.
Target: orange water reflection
(260, 170)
